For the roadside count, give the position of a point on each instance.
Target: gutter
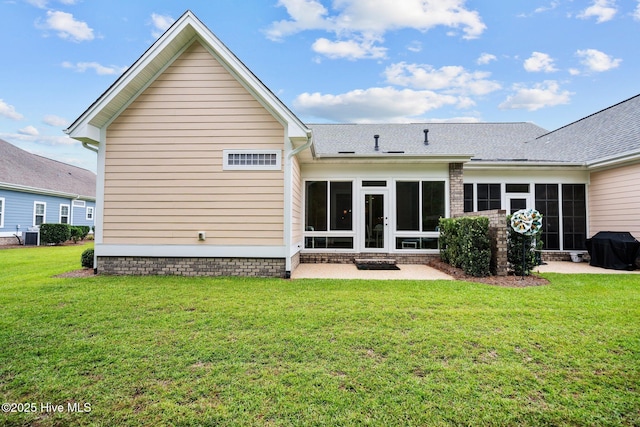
(302, 147)
(44, 191)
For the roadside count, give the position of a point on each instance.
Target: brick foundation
(348, 258)
(164, 266)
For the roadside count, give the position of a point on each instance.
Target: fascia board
(498, 165)
(44, 191)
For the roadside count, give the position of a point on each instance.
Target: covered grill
(616, 250)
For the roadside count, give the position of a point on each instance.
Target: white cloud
(29, 130)
(351, 49)
(67, 27)
(370, 19)
(372, 105)
(9, 111)
(545, 94)
(597, 61)
(415, 46)
(160, 23)
(636, 12)
(101, 70)
(602, 10)
(40, 139)
(450, 79)
(539, 62)
(485, 58)
(55, 121)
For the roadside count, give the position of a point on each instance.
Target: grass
(233, 351)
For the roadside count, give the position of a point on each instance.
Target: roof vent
(426, 137)
(377, 148)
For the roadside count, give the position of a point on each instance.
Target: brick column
(456, 189)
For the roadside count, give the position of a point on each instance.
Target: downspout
(90, 147)
(288, 233)
(302, 147)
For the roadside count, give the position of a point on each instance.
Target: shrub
(475, 245)
(87, 258)
(465, 243)
(515, 244)
(449, 245)
(75, 233)
(54, 234)
(84, 229)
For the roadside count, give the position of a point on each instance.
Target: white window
(90, 213)
(64, 214)
(1, 212)
(252, 159)
(78, 203)
(39, 213)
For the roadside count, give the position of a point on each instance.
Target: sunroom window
(329, 215)
(419, 207)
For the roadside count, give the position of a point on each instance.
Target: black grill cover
(613, 249)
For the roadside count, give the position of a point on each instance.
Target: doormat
(377, 266)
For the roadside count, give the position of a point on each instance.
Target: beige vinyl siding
(164, 179)
(614, 200)
(296, 194)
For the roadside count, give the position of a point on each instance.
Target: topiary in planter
(87, 258)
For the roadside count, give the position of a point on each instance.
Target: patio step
(374, 261)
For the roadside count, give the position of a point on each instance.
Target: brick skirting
(348, 258)
(165, 266)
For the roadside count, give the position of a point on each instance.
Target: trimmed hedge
(465, 243)
(54, 234)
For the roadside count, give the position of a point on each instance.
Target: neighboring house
(203, 170)
(35, 190)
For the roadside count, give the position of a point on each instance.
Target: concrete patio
(423, 272)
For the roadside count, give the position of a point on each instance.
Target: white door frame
(364, 234)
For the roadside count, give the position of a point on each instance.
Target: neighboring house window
(548, 204)
(488, 197)
(1, 212)
(329, 209)
(64, 214)
(89, 213)
(574, 217)
(79, 204)
(252, 159)
(39, 213)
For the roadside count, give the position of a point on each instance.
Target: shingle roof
(486, 141)
(22, 168)
(607, 133)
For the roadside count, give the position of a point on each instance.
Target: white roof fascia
(394, 157)
(614, 161)
(43, 191)
(522, 165)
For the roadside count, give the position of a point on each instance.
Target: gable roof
(186, 30)
(21, 170)
(475, 141)
(612, 134)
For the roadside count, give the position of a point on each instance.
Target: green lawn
(211, 351)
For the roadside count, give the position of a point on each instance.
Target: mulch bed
(510, 281)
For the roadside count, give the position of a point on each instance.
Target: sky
(549, 62)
